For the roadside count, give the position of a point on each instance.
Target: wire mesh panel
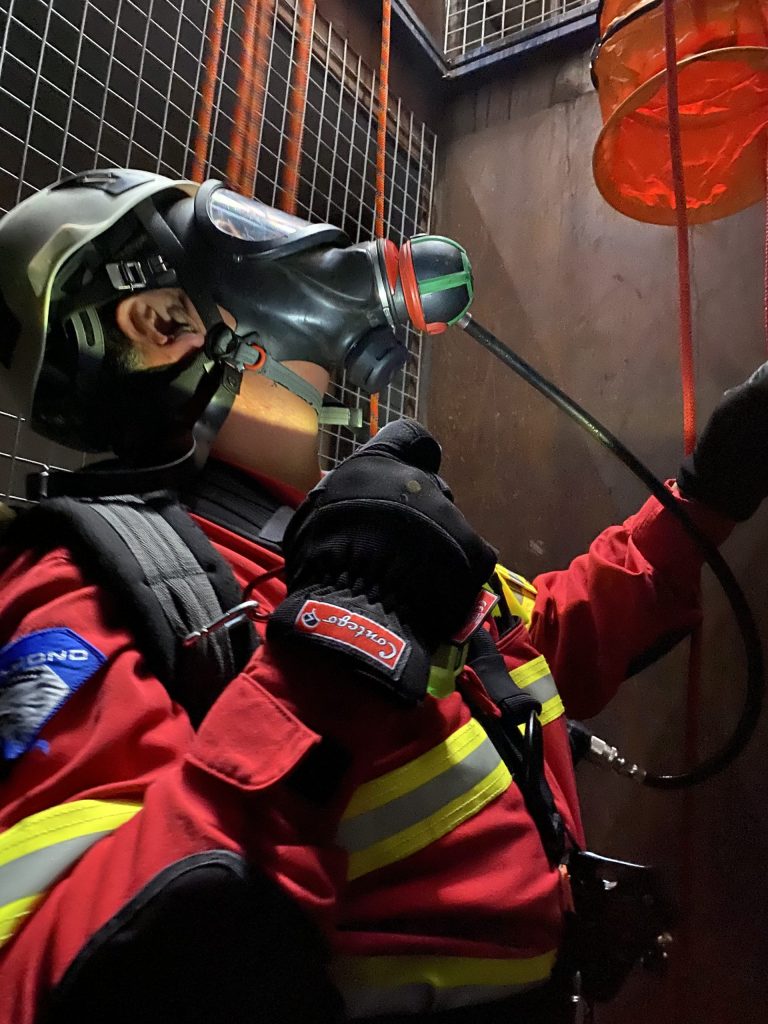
(470, 24)
(94, 83)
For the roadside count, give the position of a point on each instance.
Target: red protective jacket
(461, 909)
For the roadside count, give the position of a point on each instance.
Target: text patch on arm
(39, 672)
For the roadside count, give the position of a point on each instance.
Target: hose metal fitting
(602, 753)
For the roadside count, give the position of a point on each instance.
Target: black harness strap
(521, 751)
(234, 500)
(165, 577)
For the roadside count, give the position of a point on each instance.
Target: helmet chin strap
(326, 414)
(242, 354)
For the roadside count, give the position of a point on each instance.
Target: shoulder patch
(39, 672)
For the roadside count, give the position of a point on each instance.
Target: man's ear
(137, 320)
(159, 327)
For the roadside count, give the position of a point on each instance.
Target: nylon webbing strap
(233, 499)
(176, 578)
(523, 754)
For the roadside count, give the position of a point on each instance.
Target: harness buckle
(127, 275)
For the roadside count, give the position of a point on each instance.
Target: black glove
(381, 566)
(728, 469)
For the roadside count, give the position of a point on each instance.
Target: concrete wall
(590, 298)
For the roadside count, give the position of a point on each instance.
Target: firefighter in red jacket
(340, 821)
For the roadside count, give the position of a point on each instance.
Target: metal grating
(470, 24)
(86, 83)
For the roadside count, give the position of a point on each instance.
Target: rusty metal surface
(590, 298)
(432, 15)
(417, 83)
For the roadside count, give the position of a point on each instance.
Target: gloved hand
(381, 566)
(728, 469)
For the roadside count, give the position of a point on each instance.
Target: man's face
(162, 325)
(269, 428)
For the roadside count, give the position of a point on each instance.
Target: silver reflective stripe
(423, 998)
(358, 833)
(34, 872)
(543, 689)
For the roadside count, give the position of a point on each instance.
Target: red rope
(208, 89)
(258, 95)
(290, 186)
(381, 154)
(242, 98)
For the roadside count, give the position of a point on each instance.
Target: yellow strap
(518, 593)
(65, 821)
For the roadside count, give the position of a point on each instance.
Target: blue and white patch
(38, 674)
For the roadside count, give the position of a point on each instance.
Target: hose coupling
(603, 754)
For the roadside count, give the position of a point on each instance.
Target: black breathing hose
(755, 685)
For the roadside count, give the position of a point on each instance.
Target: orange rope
(295, 133)
(258, 95)
(681, 211)
(381, 138)
(693, 688)
(207, 92)
(381, 154)
(242, 97)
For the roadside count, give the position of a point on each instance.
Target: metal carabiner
(247, 609)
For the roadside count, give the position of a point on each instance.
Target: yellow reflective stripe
(551, 709)
(38, 850)
(65, 821)
(428, 797)
(531, 671)
(416, 773)
(432, 828)
(536, 676)
(419, 984)
(13, 914)
(443, 971)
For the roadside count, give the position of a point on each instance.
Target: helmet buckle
(128, 275)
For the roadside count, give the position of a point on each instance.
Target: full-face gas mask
(295, 291)
(300, 291)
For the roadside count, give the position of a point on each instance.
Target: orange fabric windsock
(722, 62)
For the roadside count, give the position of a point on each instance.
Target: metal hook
(245, 610)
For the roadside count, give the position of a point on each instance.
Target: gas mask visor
(237, 225)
